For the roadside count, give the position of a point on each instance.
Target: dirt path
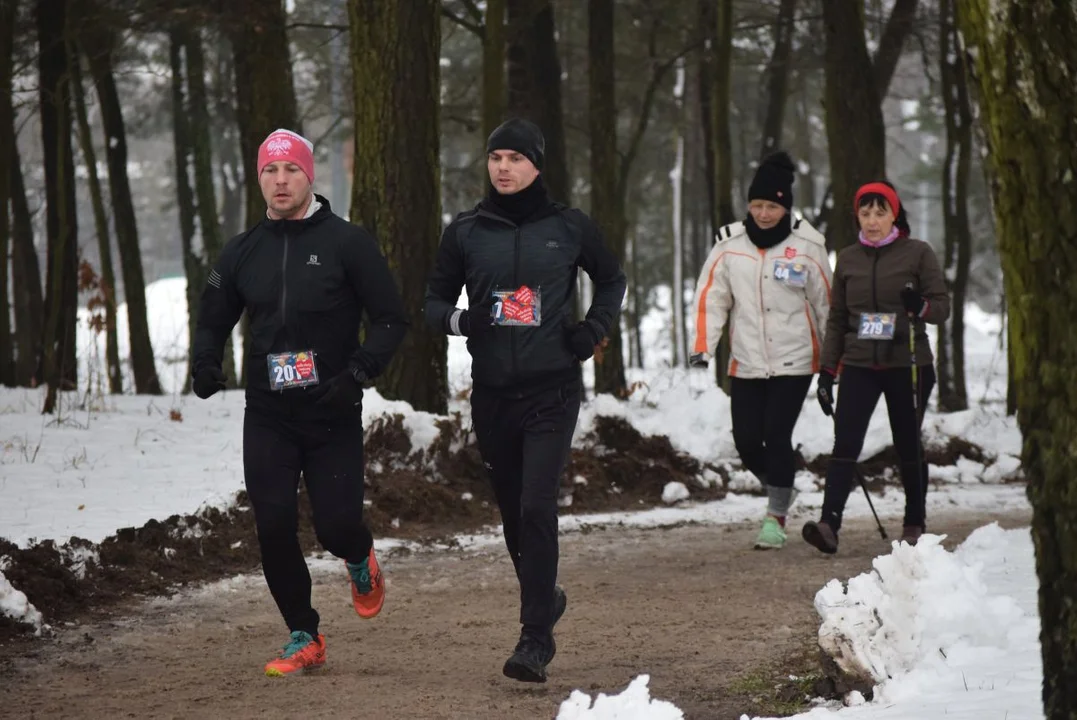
(692, 606)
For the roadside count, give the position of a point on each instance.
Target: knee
(276, 524)
(336, 533)
(539, 507)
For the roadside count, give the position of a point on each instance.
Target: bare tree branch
(476, 28)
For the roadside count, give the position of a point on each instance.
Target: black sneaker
(529, 660)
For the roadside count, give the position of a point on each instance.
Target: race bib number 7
(877, 326)
(522, 306)
(291, 370)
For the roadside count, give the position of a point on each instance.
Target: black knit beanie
(520, 135)
(774, 180)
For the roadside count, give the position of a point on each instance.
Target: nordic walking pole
(916, 407)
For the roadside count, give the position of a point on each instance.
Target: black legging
(858, 394)
(765, 411)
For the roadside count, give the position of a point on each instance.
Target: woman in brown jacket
(886, 285)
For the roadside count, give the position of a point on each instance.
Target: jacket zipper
(762, 311)
(875, 301)
(515, 284)
(284, 292)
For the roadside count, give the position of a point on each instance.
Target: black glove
(698, 360)
(825, 392)
(208, 381)
(913, 301)
(343, 393)
(581, 338)
(476, 320)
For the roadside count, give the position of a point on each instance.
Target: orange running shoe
(302, 652)
(368, 586)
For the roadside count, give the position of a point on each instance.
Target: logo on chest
(313, 261)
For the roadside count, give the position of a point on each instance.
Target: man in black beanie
(517, 252)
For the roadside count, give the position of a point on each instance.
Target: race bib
(877, 326)
(522, 306)
(291, 370)
(791, 273)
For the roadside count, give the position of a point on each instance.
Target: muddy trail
(715, 624)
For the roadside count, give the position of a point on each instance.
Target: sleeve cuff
(925, 309)
(454, 322)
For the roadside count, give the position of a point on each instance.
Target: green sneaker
(771, 536)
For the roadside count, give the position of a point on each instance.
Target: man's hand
(824, 392)
(582, 341)
(343, 393)
(208, 381)
(698, 360)
(473, 322)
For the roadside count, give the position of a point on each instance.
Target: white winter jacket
(776, 302)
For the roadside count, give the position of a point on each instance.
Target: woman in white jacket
(769, 278)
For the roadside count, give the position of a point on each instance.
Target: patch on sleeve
(215, 278)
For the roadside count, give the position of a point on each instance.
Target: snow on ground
(122, 461)
(943, 634)
(634, 703)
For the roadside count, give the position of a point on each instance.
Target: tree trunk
(723, 151)
(265, 101)
(99, 43)
(805, 187)
(534, 85)
(493, 67)
(395, 51)
(8, 11)
(778, 77)
(607, 207)
(856, 137)
(107, 280)
(708, 23)
(59, 367)
(1026, 62)
(953, 395)
(208, 219)
(898, 27)
(226, 128)
(193, 263)
(26, 276)
(723, 141)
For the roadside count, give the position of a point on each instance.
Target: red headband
(881, 189)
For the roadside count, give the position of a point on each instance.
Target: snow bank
(940, 634)
(634, 703)
(13, 604)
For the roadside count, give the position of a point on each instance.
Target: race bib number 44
(291, 370)
(790, 273)
(522, 306)
(877, 326)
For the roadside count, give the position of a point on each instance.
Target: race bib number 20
(876, 326)
(291, 370)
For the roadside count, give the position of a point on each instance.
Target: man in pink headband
(286, 173)
(305, 277)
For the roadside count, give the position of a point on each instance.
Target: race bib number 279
(291, 370)
(876, 326)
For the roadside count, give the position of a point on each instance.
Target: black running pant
(525, 442)
(858, 394)
(330, 458)
(765, 411)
